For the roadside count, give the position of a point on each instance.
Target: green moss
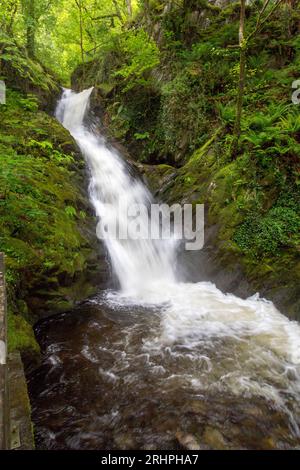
(45, 220)
(157, 175)
(256, 211)
(27, 75)
(20, 335)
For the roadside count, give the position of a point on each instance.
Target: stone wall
(4, 402)
(15, 421)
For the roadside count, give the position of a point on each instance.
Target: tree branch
(260, 22)
(102, 17)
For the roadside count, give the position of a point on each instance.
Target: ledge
(4, 397)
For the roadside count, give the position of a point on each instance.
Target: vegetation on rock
(184, 114)
(166, 76)
(46, 226)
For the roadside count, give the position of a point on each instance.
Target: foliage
(264, 236)
(183, 116)
(140, 54)
(58, 22)
(12, 56)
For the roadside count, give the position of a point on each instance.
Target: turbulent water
(160, 363)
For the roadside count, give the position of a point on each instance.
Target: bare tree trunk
(81, 26)
(79, 6)
(129, 8)
(30, 29)
(243, 43)
(241, 83)
(146, 7)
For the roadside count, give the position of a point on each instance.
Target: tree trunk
(129, 8)
(80, 11)
(30, 29)
(146, 7)
(79, 6)
(241, 83)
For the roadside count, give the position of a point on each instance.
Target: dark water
(101, 386)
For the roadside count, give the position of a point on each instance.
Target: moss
(26, 75)
(106, 88)
(21, 336)
(257, 220)
(158, 175)
(45, 217)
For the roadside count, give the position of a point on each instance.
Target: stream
(159, 363)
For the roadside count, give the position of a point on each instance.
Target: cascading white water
(135, 262)
(264, 343)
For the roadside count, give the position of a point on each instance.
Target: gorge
(128, 342)
(162, 357)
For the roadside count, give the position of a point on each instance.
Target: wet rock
(268, 443)
(188, 441)
(214, 439)
(150, 447)
(166, 425)
(255, 411)
(124, 442)
(198, 407)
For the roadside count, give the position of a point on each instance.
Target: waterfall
(265, 343)
(136, 262)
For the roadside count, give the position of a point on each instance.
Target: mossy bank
(47, 227)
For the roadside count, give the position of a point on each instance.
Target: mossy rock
(21, 336)
(226, 190)
(26, 75)
(47, 225)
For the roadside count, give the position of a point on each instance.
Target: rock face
(222, 261)
(237, 260)
(48, 228)
(180, 122)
